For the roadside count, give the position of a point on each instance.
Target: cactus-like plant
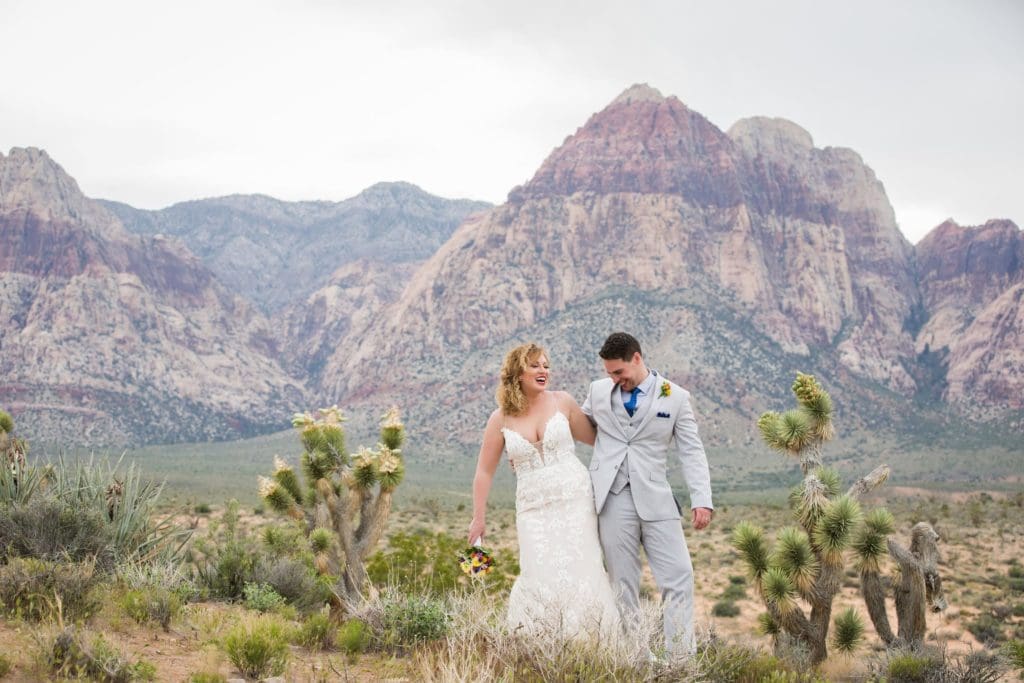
(807, 561)
(344, 500)
(18, 482)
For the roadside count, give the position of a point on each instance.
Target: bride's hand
(477, 529)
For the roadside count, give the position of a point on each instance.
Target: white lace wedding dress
(562, 589)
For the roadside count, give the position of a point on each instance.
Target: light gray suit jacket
(665, 425)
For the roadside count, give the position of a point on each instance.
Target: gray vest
(629, 426)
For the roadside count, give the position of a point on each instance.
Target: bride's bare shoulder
(496, 419)
(565, 401)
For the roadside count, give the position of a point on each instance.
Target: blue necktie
(631, 403)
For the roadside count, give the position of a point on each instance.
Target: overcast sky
(155, 103)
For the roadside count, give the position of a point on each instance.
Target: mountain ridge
(737, 257)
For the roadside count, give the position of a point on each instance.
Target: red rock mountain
(972, 282)
(108, 337)
(736, 257)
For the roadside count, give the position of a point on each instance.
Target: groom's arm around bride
(641, 418)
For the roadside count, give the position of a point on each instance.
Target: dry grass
(977, 563)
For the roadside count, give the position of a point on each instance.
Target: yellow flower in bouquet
(475, 561)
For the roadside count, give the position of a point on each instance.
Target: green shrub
(354, 636)
(202, 509)
(227, 569)
(284, 540)
(791, 677)
(1014, 652)
(731, 663)
(226, 559)
(49, 529)
(126, 501)
(318, 632)
(262, 597)
(207, 677)
(987, 629)
(423, 562)
(295, 581)
(258, 647)
(5, 666)
(168, 575)
(418, 562)
(39, 589)
(734, 591)
(725, 608)
(412, 619)
(75, 656)
(151, 604)
(910, 667)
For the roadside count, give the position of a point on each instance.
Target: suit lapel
(612, 414)
(654, 404)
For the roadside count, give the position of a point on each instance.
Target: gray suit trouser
(622, 533)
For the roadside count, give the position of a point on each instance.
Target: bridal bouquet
(475, 561)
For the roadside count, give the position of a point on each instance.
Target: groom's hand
(701, 517)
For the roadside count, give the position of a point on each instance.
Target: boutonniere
(666, 390)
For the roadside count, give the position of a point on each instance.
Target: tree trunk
(910, 597)
(874, 597)
(800, 629)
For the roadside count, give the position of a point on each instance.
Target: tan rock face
(133, 331)
(986, 365)
(736, 257)
(650, 197)
(971, 280)
(321, 328)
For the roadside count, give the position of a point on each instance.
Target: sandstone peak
(32, 182)
(993, 228)
(767, 135)
(656, 145)
(639, 92)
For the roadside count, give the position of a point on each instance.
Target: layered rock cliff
(972, 281)
(737, 257)
(276, 253)
(708, 244)
(112, 338)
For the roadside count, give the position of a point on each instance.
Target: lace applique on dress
(562, 588)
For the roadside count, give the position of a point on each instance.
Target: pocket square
(664, 415)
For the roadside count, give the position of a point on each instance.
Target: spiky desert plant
(344, 499)
(17, 481)
(805, 567)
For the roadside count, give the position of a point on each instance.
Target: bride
(562, 588)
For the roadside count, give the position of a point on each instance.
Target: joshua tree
(808, 560)
(346, 499)
(919, 587)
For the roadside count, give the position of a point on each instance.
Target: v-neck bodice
(555, 445)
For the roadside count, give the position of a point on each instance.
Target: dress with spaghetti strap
(562, 588)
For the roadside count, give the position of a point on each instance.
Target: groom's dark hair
(620, 346)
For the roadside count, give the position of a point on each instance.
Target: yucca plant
(805, 566)
(18, 481)
(343, 500)
(119, 496)
(127, 501)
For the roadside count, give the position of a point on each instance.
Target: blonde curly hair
(509, 395)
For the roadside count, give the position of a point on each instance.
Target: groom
(641, 417)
